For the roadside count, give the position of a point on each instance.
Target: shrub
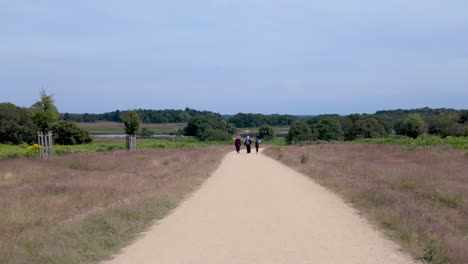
(298, 132)
(266, 132)
(329, 129)
(413, 126)
(206, 128)
(370, 128)
(16, 125)
(304, 158)
(66, 133)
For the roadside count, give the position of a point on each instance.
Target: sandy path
(256, 210)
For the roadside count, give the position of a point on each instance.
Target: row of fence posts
(46, 151)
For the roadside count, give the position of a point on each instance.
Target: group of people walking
(247, 144)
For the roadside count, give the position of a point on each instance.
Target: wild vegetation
(419, 197)
(147, 116)
(242, 120)
(81, 208)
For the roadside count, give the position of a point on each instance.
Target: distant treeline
(146, 116)
(413, 123)
(242, 120)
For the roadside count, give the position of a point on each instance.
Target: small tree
(44, 113)
(298, 132)
(266, 132)
(414, 126)
(132, 122)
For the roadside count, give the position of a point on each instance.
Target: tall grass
(418, 196)
(81, 208)
(449, 142)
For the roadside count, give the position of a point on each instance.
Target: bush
(329, 129)
(16, 125)
(413, 126)
(370, 128)
(298, 132)
(266, 132)
(66, 133)
(206, 128)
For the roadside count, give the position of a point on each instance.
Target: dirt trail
(256, 210)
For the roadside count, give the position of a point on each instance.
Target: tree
(329, 129)
(298, 132)
(448, 124)
(413, 126)
(206, 128)
(44, 113)
(66, 133)
(131, 122)
(370, 128)
(16, 125)
(266, 132)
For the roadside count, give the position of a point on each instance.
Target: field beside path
(419, 197)
(81, 208)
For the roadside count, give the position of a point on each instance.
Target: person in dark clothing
(257, 143)
(247, 143)
(238, 144)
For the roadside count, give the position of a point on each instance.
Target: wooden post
(46, 150)
(130, 142)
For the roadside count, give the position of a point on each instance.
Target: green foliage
(298, 132)
(44, 113)
(266, 132)
(414, 126)
(255, 120)
(449, 124)
(206, 128)
(146, 116)
(66, 133)
(369, 127)
(16, 125)
(329, 129)
(146, 132)
(131, 122)
(433, 253)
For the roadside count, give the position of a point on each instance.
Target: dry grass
(419, 197)
(80, 208)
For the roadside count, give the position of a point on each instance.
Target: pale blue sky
(229, 56)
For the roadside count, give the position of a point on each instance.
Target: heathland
(79, 208)
(417, 195)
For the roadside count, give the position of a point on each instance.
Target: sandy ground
(255, 210)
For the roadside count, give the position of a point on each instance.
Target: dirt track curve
(255, 210)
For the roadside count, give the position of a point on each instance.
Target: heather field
(80, 208)
(418, 196)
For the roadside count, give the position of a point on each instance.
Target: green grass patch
(104, 145)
